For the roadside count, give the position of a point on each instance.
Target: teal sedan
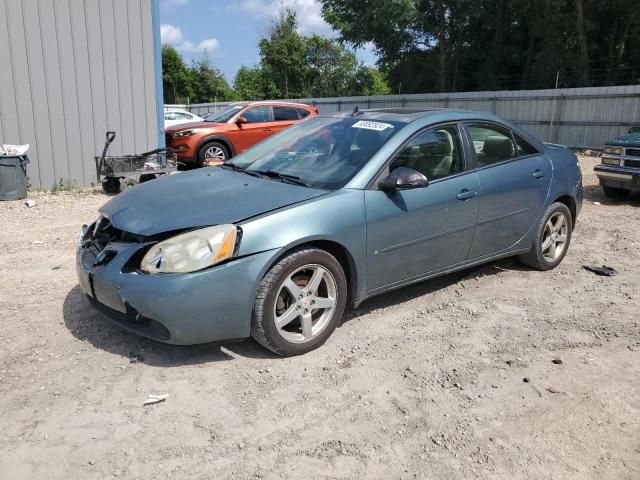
(279, 241)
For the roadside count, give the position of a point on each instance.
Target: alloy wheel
(305, 303)
(554, 237)
(214, 153)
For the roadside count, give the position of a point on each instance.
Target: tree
(208, 84)
(282, 54)
(253, 83)
(176, 81)
(372, 81)
(449, 45)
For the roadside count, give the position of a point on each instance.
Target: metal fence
(577, 117)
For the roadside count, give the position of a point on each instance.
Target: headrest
(498, 146)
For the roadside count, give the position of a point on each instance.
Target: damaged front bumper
(184, 309)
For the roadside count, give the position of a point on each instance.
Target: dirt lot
(426, 382)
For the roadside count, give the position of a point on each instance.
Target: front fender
(338, 217)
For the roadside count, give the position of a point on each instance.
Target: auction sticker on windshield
(377, 126)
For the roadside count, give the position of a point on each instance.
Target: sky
(228, 31)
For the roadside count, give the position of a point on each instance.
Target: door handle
(466, 194)
(538, 174)
(267, 130)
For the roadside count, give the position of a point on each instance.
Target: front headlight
(613, 150)
(187, 133)
(191, 251)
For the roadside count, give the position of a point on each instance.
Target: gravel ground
(451, 378)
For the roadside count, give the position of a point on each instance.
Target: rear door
(284, 117)
(514, 182)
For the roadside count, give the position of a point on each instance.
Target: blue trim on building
(157, 55)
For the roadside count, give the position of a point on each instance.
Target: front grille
(632, 163)
(634, 152)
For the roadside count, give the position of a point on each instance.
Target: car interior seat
(496, 148)
(435, 158)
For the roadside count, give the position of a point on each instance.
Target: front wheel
(212, 154)
(299, 302)
(553, 236)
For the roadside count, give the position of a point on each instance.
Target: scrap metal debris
(152, 398)
(603, 271)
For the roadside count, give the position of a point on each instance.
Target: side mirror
(241, 121)
(403, 178)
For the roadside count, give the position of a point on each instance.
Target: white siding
(69, 71)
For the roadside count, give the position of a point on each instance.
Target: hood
(188, 125)
(202, 197)
(628, 140)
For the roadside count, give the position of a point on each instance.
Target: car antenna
(355, 111)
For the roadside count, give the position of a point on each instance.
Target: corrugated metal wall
(577, 117)
(69, 71)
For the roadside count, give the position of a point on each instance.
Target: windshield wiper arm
(236, 168)
(282, 176)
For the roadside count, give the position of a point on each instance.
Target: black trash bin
(13, 177)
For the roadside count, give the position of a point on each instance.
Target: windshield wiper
(282, 176)
(237, 168)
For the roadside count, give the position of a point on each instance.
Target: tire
(111, 185)
(212, 148)
(274, 299)
(537, 258)
(146, 177)
(613, 192)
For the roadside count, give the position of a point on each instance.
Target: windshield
(320, 152)
(223, 115)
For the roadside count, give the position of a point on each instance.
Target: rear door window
(285, 114)
(492, 144)
(523, 147)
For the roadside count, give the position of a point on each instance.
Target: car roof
(272, 102)
(407, 115)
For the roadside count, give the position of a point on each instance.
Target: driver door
(258, 127)
(411, 233)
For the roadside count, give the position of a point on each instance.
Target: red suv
(223, 134)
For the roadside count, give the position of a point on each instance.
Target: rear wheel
(613, 192)
(300, 302)
(212, 153)
(552, 238)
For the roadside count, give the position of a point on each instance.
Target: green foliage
(63, 185)
(254, 84)
(291, 66)
(200, 83)
(282, 54)
(297, 66)
(452, 45)
(208, 84)
(176, 80)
